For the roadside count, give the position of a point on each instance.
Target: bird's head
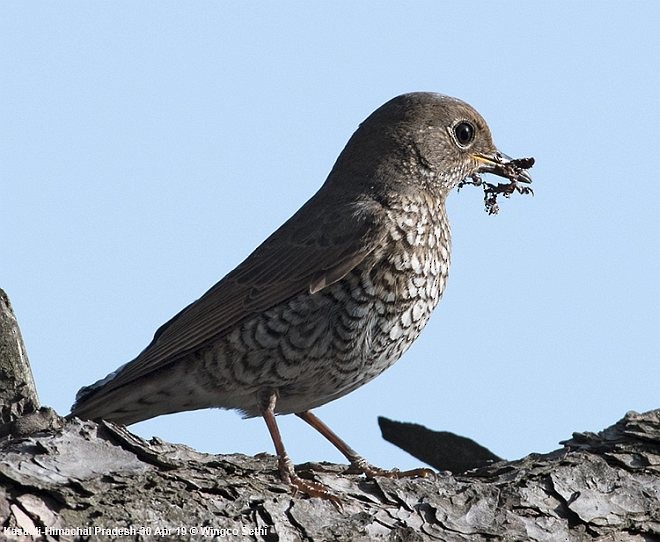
(423, 140)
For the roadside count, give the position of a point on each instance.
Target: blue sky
(147, 147)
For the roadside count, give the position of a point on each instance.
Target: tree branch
(18, 395)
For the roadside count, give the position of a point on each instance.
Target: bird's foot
(360, 465)
(306, 487)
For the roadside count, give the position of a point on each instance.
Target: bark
(18, 395)
(68, 480)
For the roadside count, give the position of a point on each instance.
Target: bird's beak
(500, 164)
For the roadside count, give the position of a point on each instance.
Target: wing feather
(312, 250)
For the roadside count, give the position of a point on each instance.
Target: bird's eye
(464, 133)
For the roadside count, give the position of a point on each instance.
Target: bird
(332, 298)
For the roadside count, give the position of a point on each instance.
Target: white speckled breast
(317, 347)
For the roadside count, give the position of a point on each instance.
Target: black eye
(464, 133)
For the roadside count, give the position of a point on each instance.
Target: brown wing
(313, 249)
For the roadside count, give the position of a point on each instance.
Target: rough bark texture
(18, 395)
(68, 480)
(78, 475)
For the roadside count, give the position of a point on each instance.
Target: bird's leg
(267, 399)
(358, 463)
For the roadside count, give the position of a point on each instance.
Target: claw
(306, 487)
(311, 489)
(359, 465)
(267, 399)
(370, 471)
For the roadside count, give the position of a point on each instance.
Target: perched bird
(331, 299)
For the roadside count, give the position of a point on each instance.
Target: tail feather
(164, 392)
